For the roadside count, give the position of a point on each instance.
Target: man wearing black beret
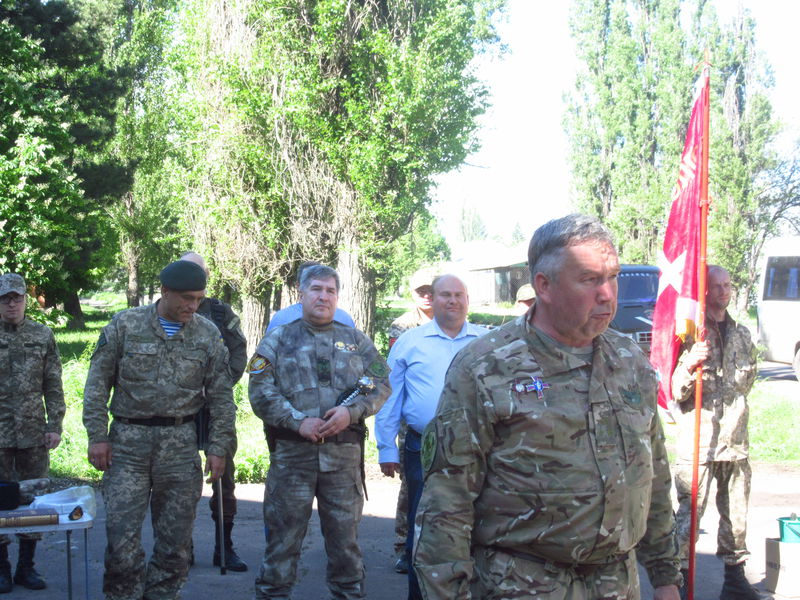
(163, 363)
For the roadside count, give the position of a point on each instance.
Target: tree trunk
(131, 258)
(72, 306)
(358, 292)
(254, 317)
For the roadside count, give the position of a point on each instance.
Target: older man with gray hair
(546, 472)
(313, 382)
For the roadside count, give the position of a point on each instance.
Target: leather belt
(348, 436)
(157, 421)
(580, 569)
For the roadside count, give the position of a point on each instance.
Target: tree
(322, 129)
(627, 122)
(627, 115)
(73, 57)
(41, 203)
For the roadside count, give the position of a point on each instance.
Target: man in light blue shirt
(295, 311)
(419, 361)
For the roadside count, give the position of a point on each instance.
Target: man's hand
(100, 455)
(666, 592)
(52, 440)
(336, 419)
(309, 428)
(389, 469)
(697, 355)
(214, 465)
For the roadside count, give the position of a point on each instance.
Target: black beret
(183, 275)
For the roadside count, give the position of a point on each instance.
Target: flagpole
(701, 320)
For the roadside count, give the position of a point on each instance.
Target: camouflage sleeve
(236, 343)
(99, 381)
(53, 391)
(267, 402)
(682, 379)
(658, 548)
(219, 399)
(378, 371)
(454, 448)
(746, 361)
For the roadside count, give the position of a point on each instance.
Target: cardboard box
(783, 568)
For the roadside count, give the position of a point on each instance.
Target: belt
(157, 421)
(348, 436)
(580, 569)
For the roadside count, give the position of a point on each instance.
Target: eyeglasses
(9, 299)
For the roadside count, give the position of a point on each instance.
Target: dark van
(636, 300)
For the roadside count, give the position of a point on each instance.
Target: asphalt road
(774, 495)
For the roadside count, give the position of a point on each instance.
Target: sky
(521, 173)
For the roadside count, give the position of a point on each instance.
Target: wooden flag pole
(701, 325)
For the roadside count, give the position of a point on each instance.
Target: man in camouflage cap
(546, 471)
(421, 285)
(307, 383)
(728, 359)
(163, 362)
(30, 370)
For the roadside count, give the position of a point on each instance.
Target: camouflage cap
(525, 293)
(183, 275)
(11, 282)
(421, 278)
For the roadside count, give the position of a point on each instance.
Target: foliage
(68, 63)
(627, 121)
(41, 203)
(321, 129)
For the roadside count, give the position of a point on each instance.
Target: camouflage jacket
(158, 376)
(408, 320)
(30, 368)
(539, 451)
(728, 375)
(227, 321)
(299, 370)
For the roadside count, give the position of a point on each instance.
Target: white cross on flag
(675, 314)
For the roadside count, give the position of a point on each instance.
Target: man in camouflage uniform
(222, 315)
(546, 471)
(164, 363)
(728, 359)
(31, 370)
(299, 378)
(422, 295)
(421, 284)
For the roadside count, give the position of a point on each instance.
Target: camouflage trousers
(401, 515)
(501, 576)
(18, 464)
(733, 495)
(288, 499)
(159, 467)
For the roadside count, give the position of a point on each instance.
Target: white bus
(779, 302)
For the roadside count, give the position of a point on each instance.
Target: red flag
(675, 314)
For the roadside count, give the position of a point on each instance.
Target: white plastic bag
(65, 501)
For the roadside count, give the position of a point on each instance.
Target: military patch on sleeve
(378, 368)
(258, 364)
(428, 452)
(101, 341)
(631, 396)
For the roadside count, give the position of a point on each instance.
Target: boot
(736, 586)
(232, 560)
(26, 575)
(5, 570)
(684, 589)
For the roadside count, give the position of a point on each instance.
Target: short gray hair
(545, 252)
(317, 272)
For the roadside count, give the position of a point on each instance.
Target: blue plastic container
(790, 529)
